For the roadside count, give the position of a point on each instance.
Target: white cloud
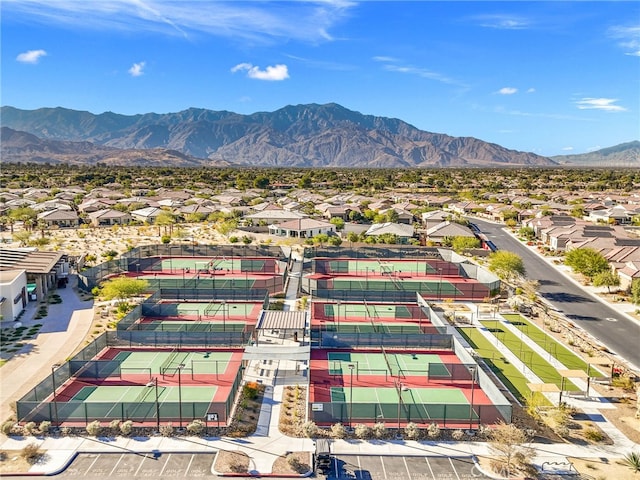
(507, 91)
(137, 69)
(502, 22)
(531, 90)
(628, 38)
(31, 56)
(395, 65)
(606, 104)
(255, 21)
(271, 73)
(567, 149)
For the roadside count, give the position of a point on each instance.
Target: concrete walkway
(63, 330)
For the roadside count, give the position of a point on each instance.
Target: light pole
(351, 365)
(399, 387)
(180, 367)
(54, 367)
(154, 383)
(338, 316)
(224, 325)
(440, 284)
(473, 382)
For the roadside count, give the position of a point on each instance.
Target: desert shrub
(250, 390)
(31, 453)
(44, 427)
(593, 434)
(338, 430)
(310, 429)
(483, 431)
(295, 464)
(7, 427)
(30, 427)
(94, 428)
(114, 426)
(167, 430)
(433, 430)
(457, 435)
(66, 431)
(379, 430)
(196, 427)
(126, 427)
(362, 431)
(623, 381)
(412, 431)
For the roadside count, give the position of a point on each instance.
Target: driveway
(619, 333)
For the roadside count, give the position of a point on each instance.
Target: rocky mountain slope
(297, 136)
(622, 155)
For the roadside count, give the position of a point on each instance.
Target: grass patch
(551, 345)
(543, 369)
(512, 378)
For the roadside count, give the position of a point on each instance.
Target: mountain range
(294, 136)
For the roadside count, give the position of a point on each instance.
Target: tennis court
(410, 404)
(360, 327)
(167, 362)
(216, 308)
(439, 287)
(391, 363)
(190, 326)
(386, 266)
(226, 264)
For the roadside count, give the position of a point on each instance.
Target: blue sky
(545, 77)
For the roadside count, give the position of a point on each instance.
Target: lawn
(543, 369)
(512, 378)
(565, 356)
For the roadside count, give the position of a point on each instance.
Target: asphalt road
(618, 333)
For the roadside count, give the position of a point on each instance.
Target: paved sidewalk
(63, 329)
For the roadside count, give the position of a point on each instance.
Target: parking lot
(374, 467)
(169, 465)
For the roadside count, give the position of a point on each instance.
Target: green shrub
(126, 427)
(167, 430)
(412, 431)
(44, 427)
(30, 427)
(7, 427)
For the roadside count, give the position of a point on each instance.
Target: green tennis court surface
(364, 311)
(419, 403)
(211, 309)
(395, 364)
(360, 327)
(167, 362)
(194, 326)
(142, 394)
(383, 284)
(381, 266)
(196, 264)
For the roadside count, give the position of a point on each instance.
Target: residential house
(108, 217)
(302, 228)
(440, 233)
(147, 214)
(59, 218)
(401, 231)
(270, 216)
(94, 204)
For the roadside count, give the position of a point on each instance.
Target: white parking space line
(186, 472)
(165, 465)
(453, 467)
(116, 465)
(384, 470)
(92, 463)
(144, 457)
(429, 465)
(404, 459)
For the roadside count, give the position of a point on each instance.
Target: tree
(338, 222)
(635, 291)
(607, 279)
(507, 440)
(460, 244)
(335, 241)
(528, 233)
(320, 238)
(261, 181)
(587, 261)
(165, 219)
(353, 237)
(506, 265)
(121, 288)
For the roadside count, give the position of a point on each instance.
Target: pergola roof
(31, 261)
(281, 320)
